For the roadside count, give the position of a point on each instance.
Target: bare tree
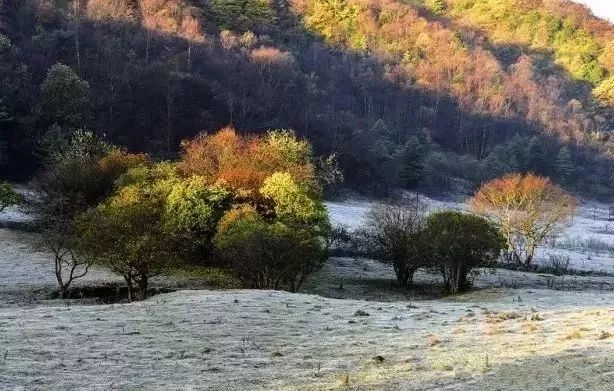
(527, 208)
(392, 235)
(69, 263)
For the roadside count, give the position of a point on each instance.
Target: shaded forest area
(405, 93)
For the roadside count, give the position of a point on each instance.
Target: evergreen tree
(564, 166)
(413, 156)
(537, 156)
(65, 97)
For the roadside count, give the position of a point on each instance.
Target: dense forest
(436, 94)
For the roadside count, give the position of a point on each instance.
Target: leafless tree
(58, 238)
(392, 236)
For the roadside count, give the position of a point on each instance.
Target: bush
(267, 255)
(8, 196)
(394, 236)
(458, 242)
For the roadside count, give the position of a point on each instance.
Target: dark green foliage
(458, 242)
(413, 156)
(71, 181)
(8, 196)
(241, 15)
(268, 255)
(65, 97)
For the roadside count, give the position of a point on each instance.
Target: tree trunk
(527, 263)
(402, 274)
(63, 292)
(128, 279)
(143, 285)
(409, 282)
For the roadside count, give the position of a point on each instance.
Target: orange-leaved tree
(243, 163)
(527, 208)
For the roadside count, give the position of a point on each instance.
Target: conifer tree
(564, 165)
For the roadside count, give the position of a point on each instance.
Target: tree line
(253, 206)
(402, 98)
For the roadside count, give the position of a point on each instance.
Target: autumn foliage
(242, 163)
(251, 203)
(528, 208)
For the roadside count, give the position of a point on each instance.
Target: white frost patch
(265, 340)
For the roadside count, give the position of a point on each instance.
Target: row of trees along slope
(406, 93)
(251, 205)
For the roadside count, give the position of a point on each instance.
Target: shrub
(8, 196)
(458, 242)
(267, 255)
(394, 236)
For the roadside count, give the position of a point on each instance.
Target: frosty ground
(353, 328)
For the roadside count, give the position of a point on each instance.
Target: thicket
(250, 204)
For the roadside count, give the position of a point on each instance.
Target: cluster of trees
(251, 204)
(451, 243)
(511, 216)
(400, 96)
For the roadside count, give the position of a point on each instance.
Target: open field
(264, 340)
(352, 328)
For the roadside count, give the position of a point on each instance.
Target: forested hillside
(406, 93)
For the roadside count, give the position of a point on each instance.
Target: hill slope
(456, 88)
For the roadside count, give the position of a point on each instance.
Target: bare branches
(392, 236)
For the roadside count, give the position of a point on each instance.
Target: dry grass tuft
(575, 334)
(345, 379)
(496, 317)
(432, 340)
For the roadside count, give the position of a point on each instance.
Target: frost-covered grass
(265, 340)
(27, 272)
